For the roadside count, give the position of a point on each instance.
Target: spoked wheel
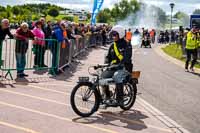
(130, 92)
(84, 100)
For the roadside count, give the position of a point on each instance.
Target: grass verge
(175, 51)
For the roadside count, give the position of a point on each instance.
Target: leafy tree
(104, 16)
(183, 17)
(53, 12)
(3, 15)
(161, 16)
(120, 11)
(16, 10)
(2, 9)
(180, 15)
(115, 12)
(88, 15)
(124, 8)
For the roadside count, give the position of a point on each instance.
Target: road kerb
(160, 52)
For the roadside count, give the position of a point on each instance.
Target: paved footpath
(41, 105)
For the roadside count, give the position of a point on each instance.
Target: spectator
(104, 35)
(176, 36)
(39, 45)
(153, 36)
(128, 35)
(48, 34)
(48, 30)
(172, 36)
(58, 35)
(22, 38)
(64, 50)
(136, 32)
(166, 36)
(42, 20)
(191, 48)
(4, 30)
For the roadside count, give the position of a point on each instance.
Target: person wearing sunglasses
(119, 55)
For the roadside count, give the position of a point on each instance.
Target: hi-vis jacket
(193, 41)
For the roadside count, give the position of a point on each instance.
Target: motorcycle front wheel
(84, 100)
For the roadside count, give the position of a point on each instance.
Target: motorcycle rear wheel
(130, 92)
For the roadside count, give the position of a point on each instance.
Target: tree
(180, 15)
(104, 16)
(196, 11)
(88, 15)
(183, 17)
(124, 8)
(115, 12)
(160, 15)
(53, 12)
(8, 11)
(16, 10)
(2, 9)
(44, 13)
(119, 12)
(2, 15)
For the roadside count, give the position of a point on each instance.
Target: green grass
(175, 51)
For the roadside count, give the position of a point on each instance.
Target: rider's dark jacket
(125, 50)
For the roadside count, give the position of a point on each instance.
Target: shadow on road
(40, 72)
(23, 81)
(2, 85)
(194, 73)
(132, 119)
(73, 67)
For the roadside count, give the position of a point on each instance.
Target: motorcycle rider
(146, 39)
(119, 57)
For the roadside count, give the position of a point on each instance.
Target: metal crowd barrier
(17, 55)
(52, 56)
(74, 47)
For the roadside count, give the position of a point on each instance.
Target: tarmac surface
(41, 104)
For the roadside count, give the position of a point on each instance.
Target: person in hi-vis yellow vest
(192, 44)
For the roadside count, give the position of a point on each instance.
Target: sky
(186, 6)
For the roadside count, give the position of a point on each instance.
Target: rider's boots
(106, 91)
(120, 94)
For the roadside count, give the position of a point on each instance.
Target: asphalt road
(169, 88)
(41, 105)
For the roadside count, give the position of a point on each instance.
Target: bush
(69, 18)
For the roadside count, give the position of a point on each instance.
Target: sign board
(195, 21)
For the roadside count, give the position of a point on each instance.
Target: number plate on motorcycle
(83, 79)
